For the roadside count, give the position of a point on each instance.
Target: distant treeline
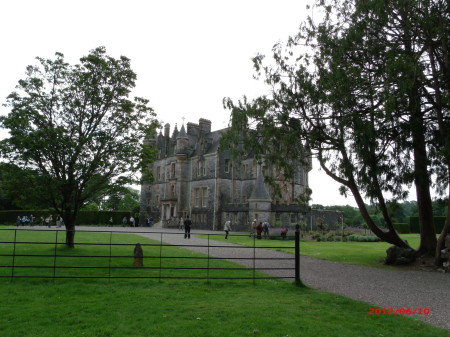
(400, 212)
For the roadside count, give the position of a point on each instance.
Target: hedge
(84, 217)
(439, 222)
(363, 238)
(101, 217)
(402, 227)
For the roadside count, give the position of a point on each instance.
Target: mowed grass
(189, 308)
(360, 253)
(185, 307)
(44, 254)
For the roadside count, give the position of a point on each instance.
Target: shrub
(315, 236)
(363, 238)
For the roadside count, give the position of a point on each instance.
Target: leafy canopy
(76, 126)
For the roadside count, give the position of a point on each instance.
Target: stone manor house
(193, 176)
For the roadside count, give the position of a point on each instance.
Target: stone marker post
(138, 256)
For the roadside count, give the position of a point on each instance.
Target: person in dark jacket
(187, 228)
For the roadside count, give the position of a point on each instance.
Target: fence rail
(38, 253)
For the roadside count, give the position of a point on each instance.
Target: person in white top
(227, 228)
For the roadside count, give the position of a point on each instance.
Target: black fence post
(160, 257)
(297, 254)
(110, 256)
(55, 252)
(207, 264)
(14, 255)
(254, 259)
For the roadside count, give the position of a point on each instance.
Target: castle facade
(193, 177)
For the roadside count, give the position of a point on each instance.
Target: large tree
(77, 128)
(363, 89)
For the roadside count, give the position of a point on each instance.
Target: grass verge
(189, 308)
(360, 253)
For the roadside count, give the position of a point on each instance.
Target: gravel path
(383, 288)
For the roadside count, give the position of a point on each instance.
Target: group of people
(260, 228)
(131, 221)
(25, 220)
(47, 221)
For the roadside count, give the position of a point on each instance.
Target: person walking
(259, 229)
(254, 224)
(266, 227)
(131, 221)
(124, 221)
(187, 227)
(49, 221)
(227, 228)
(181, 224)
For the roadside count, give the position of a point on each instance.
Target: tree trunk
(70, 237)
(443, 130)
(417, 127)
(445, 231)
(422, 182)
(69, 220)
(390, 236)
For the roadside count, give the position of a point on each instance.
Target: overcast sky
(188, 55)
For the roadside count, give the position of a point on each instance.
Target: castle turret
(182, 141)
(175, 132)
(259, 202)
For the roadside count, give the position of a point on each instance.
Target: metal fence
(38, 253)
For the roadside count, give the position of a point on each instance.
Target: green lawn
(360, 253)
(104, 255)
(187, 307)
